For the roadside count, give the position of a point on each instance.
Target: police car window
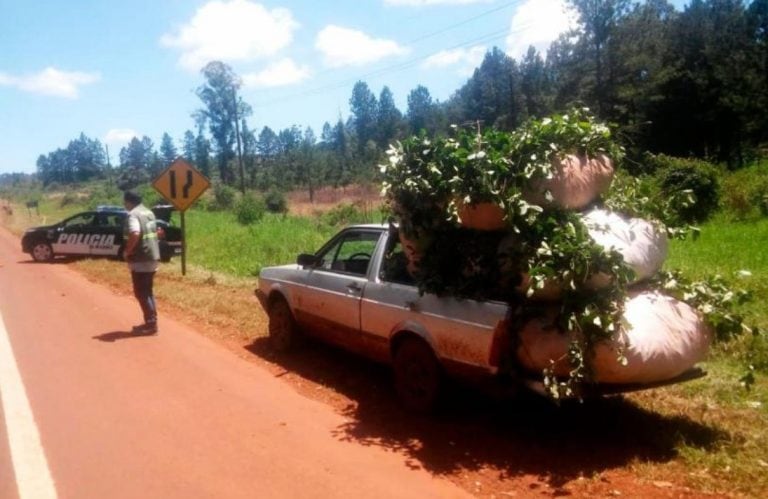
(114, 221)
(351, 254)
(79, 221)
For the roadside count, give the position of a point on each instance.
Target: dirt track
(225, 418)
(173, 415)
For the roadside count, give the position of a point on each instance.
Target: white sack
(643, 245)
(575, 183)
(665, 338)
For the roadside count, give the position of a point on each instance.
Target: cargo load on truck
(522, 217)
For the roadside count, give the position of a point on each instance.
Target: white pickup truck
(356, 292)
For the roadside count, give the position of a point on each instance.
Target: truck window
(394, 268)
(351, 254)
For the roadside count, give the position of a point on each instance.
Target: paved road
(174, 415)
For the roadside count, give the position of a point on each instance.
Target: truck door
(330, 304)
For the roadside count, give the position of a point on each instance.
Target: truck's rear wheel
(418, 376)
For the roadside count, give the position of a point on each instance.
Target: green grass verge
(216, 241)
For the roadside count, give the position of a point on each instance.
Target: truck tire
(283, 330)
(418, 375)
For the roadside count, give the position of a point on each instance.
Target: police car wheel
(42, 252)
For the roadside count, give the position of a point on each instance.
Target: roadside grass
(739, 463)
(216, 241)
(224, 258)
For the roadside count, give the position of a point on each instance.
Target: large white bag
(576, 182)
(642, 244)
(665, 338)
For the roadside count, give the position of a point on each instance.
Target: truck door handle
(353, 286)
(410, 305)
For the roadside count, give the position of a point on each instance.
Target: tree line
(690, 83)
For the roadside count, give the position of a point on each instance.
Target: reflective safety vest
(148, 248)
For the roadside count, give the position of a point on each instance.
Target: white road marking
(33, 478)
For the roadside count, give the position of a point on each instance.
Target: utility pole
(109, 166)
(237, 136)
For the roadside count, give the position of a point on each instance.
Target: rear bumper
(174, 246)
(601, 389)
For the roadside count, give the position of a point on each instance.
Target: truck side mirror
(306, 260)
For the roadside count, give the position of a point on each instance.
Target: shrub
(149, 196)
(344, 214)
(276, 202)
(105, 194)
(678, 175)
(223, 198)
(68, 199)
(53, 187)
(745, 192)
(250, 209)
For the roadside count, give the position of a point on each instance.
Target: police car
(96, 233)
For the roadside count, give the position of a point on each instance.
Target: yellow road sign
(181, 184)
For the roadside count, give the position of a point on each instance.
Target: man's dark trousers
(142, 290)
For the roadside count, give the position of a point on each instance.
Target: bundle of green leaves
(426, 179)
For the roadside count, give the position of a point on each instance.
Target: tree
(340, 169)
(598, 19)
(389, 118)
(535, 85)
(308, 170)
(493, 94)
(136, 162)
(641, 42)
(188, 146)
(707, 98)
(364, 113)
(168, 151)
(420, 109)
(267, 148)
(757, 24)
(223, 107)
(249, 152)
(82, 160)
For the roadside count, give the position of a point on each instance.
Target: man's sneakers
(145, 329)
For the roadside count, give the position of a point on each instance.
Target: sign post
(181, 184)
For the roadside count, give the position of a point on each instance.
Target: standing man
(142, 253)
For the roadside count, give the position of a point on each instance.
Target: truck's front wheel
(418, 376)
(283, 330)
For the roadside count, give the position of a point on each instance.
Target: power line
(445, 29)
(394, 68)
(462, 23)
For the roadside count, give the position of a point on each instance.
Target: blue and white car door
(110, 227)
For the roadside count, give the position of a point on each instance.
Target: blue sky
(114, 69)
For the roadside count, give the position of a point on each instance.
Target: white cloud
(119, 136)
(422, 3)
(538, 23)
(51, 81)
(349, 47)
(238, 30)
(278, 74)
(465, 59)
